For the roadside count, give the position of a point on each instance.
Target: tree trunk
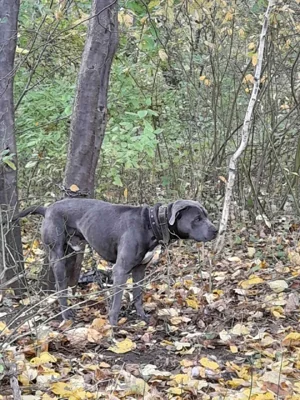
(90, 108)
(11, 258)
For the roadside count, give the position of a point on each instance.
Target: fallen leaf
(240, 330)
(3, 329)
(224, 335)
(44, 358)
(123, 347)
(254, 280)
(233, 349)
(292, 303)
(278, 286)
(27, 376)
(251, 252)
(74, 188)
(292, 339)
(234, 259)
(192, 303)
(207, 363)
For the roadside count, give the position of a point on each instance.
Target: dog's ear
(177, 206)
(180, 205)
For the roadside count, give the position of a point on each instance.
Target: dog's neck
(158, 218)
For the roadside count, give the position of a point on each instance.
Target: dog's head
(190, 220)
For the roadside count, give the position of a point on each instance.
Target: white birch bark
(245, 132)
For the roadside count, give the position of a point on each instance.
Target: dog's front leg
(138, 275)
(119, 279)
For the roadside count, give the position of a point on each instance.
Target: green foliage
(180, 85)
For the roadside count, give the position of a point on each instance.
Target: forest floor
(219, 329)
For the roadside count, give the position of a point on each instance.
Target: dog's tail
(40, 210)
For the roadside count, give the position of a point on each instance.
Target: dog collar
(159, 224)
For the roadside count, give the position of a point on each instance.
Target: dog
(121, 234)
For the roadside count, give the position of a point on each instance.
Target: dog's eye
(199, 218)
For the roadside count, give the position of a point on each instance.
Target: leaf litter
(226, 328)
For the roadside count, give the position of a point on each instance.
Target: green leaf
(31, 164)
(153, 3)
(142, 113)
(117, 181)
(10, 164)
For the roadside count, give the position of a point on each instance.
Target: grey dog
(121, 234)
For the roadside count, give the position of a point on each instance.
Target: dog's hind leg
(54, 238)
(138, 275)
(73, 267)
(58, 264)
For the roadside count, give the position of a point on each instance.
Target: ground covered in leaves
(224, 328)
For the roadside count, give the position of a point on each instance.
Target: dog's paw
(68, 314)
(144, 317)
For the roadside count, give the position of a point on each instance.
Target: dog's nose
(214, 231)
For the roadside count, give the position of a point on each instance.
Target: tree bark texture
(245, 133)
(90, 109)
(11, 258)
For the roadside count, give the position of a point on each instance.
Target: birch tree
(245, 130)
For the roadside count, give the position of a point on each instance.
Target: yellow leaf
(104, 365)
(254, 59)
(228, 16)
(74, 188)
(186, 363)
(292, 339)
(123, 347)
(21, 51)
(236, 382)
(254, 280)
(248, 78)
(222, 178)
(153, 3)
(3, 329)
(27, 376)
(205, 362)
(188, 283)
(175, 390)
(44, 358)
(251, 46)
(162, 55)
(181, 379)
(233, 349)
(192, 303)
(278, 312)
(128, 20)
(125, 194)
(207, 82)
(61, 388)
(202, 77)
